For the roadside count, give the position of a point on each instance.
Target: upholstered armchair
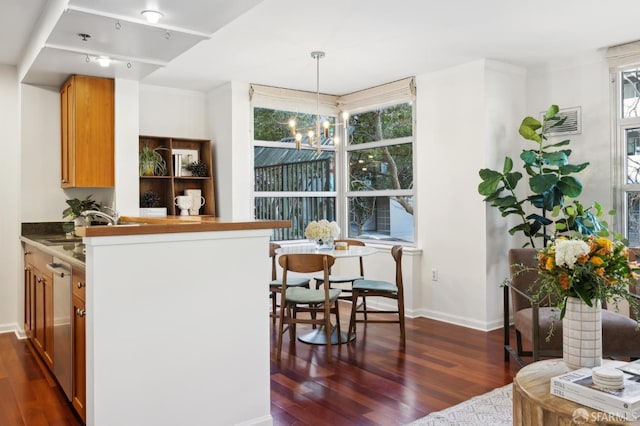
(533, 320)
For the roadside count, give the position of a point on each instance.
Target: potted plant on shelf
(151, 162)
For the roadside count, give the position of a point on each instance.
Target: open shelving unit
(175, 182)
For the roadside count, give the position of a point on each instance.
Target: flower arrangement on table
(322, 231)
(587, 267)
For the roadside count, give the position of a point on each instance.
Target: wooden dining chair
(346, 279)
(276, 283)
(368, 288)
(295, 300)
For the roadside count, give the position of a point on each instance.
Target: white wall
(172, 112)
(11, 299)
(505, 108)
(127, 121)
(229, 121)
(42, 199)
(463, 114)
(584, 82)
(219, 114)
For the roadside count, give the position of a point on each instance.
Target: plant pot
(148, 168)
(582, 334)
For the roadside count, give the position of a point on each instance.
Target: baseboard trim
(259, 421)
(459, 320)
(13, 328)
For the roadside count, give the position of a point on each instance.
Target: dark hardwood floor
(370, 382)
(29, 395)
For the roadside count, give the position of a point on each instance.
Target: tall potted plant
(552, 183)
(578, 267)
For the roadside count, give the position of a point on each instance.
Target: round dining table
(318, 336)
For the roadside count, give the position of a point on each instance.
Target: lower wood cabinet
(39, 303)
(39, 319)
(79, 384)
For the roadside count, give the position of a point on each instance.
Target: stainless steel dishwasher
(62, 338)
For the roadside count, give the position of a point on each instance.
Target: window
(380, 183)
(365, 184)
(291, 184)
(624, 62)
(627, 121)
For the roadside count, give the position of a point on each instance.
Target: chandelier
(321, 128)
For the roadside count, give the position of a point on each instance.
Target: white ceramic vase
(582, 334)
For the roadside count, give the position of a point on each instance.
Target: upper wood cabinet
(87, 132)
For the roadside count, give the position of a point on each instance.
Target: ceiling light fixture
(152, 16)
(321, 129)
(103, 61)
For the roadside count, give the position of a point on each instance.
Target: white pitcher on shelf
(184, 203)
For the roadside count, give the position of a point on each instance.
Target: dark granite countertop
(50, 238)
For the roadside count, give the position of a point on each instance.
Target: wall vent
(571, 126)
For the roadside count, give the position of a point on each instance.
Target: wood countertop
(130, 225)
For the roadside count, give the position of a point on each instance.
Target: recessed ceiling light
(152, 16)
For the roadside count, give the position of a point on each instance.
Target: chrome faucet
(113, 220)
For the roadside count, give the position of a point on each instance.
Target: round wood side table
(533, 404)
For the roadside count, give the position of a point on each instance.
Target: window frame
(620, 126)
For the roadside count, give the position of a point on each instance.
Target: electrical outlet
(434, 274)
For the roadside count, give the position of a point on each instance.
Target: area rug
(493, 408)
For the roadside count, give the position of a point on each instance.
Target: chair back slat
(272, 254)
(355, 243)
(396, 252)
(305, 262)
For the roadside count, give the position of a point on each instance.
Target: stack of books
(622, 402)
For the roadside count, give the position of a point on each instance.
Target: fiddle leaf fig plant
(551, 184)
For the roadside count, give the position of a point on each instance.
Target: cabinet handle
(39, 280)
(80, 312)
(64, 181)
(80, 284)
(27, 252)
(54, 267)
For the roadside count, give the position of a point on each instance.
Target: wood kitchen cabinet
(87, 132)
(79, 383)
(38, 321)
(174, 183)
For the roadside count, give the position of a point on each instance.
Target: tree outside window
(380, 158)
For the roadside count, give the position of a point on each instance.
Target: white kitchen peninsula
(177, 323)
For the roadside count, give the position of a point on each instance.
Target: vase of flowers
(323, 233)
(581, 273)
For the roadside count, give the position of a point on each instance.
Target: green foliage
(550, 182)
(151, 162)
(76, 207)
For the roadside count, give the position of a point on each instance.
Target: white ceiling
(367, 42)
